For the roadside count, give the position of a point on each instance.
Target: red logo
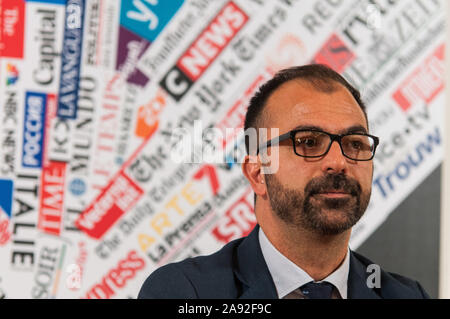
(335, 54)
(425, 83)
(52, 197)
(204, 50)
(12, 21)
(147, 118)
(118, 197)
(212, 41)
(118, 277)
(238, 221)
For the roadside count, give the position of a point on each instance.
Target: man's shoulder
(190, 277)
(390, 285)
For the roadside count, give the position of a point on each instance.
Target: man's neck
(316, 254)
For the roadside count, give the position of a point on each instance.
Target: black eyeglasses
(316, 143)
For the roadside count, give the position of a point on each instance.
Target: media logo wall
(93, 92)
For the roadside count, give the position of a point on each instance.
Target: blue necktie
(317, 290)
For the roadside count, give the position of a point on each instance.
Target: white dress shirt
(288, 277)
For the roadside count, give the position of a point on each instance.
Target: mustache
(333, 182)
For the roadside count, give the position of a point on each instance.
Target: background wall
(95, 94)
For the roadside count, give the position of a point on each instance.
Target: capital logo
(12, 74)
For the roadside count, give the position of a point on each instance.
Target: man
(305, 209)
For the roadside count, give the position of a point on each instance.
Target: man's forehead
(297, 101)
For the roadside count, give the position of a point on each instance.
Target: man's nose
(334, 161)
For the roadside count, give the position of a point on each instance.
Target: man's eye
(308, 142)
(357, 145)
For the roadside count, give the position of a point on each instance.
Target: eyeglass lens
(315, 144)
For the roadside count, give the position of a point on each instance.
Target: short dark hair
(320, 76)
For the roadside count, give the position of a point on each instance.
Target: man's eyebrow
(349, 130)
(355, 129)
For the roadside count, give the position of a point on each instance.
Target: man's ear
(251, 167)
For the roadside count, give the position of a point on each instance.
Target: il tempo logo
(204, 50)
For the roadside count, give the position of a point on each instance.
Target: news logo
(71, 58)
(33, 129)
(52, 197)
(204, 50)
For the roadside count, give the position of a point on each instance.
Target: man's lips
(334, 194)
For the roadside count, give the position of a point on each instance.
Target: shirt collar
(287, 276)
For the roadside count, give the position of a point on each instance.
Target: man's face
(329, 194)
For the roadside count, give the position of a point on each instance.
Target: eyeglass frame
(333, 137)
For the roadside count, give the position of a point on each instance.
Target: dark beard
(297, 209)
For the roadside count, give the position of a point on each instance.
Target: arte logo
(204, 50)
(12, 74)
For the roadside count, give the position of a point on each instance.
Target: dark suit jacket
(238, 270)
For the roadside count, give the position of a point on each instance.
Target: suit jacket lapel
(357, 281)
(251, 269)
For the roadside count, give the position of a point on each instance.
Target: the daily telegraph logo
(204, 50)
(147, 18)
(12, 26)
(71, 58)
(33, 129)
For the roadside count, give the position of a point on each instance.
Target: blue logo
(49, 1)
(6, 191)
(33, 129)
(71, 57)
(77, 186)
(147, 18)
